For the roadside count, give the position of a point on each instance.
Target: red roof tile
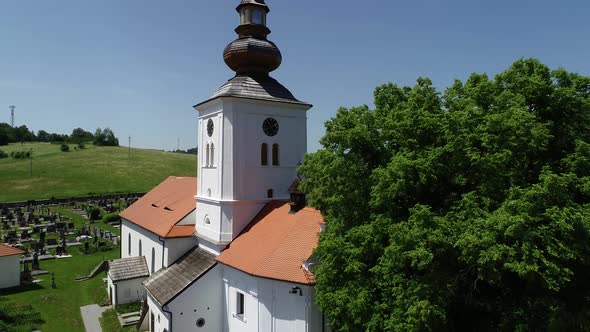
(181, 231)
(6, 250)
(163, 207)
(276, 243)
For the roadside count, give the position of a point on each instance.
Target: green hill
(80, 172)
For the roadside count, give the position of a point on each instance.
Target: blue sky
(138, 66)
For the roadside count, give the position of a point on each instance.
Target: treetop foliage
(462, 210)
(105, 137)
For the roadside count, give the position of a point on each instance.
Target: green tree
(105, 137)
(42, 136)
(467, 210)
(80, 135)
(23, 134)
(6, 134)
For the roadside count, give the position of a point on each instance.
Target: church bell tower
(252, 135)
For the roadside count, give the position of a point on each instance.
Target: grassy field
(60, 307)
(81, 172)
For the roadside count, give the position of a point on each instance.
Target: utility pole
(178, 147)
(129, 147)
(31, 164)
(12, 115)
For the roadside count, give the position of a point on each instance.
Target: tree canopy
(105, 137)
(80, 135)
(462, 210)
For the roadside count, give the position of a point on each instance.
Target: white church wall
(10, 267)
(161, 318)
(148, 240)
(202, 300)
(175, 248)
(268, 305)
(234, 190)
(252, 180)
(128, 291)
(188, 220)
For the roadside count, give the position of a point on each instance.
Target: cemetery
(61, 249)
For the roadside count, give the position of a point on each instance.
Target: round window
(201, 322)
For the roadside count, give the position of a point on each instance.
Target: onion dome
(252, 56)
(252, 52)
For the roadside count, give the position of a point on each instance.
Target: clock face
(270, 127)
(210, 127)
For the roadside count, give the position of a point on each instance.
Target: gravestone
(35, 261)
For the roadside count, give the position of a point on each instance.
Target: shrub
(64, 147)
(94, 213)
(3, 154)
(111, 218)
(20, 154)
(81, 146)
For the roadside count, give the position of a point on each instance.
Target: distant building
(10, 266)
(246, 264)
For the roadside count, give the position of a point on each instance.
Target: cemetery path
(90, 315)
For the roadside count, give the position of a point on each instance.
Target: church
(231, 251)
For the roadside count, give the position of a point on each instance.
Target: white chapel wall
(175, 248)
(148, 239)
(202, 300)
(161, 318)
(269, 306)
(10, 267)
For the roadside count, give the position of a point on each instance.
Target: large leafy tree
(467, 210)
(105, 137)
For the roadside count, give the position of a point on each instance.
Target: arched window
(275, 155)
(207, 220)
(264, 154)
(140, 249)
(129, 245)
(153, 260)
(212, 155)
(207, 155)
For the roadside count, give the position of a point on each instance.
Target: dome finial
(252, 53)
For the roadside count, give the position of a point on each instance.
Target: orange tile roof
(276, 243)
(6, 250)
(163, 207)
(181, 231)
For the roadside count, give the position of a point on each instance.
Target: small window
(275, 155)
(152, 322)
(270, 193)
(129, 245)
(257, 16)
(207, 155)
(247, 18)
(154, 264)
(240, 304)
(264, 154)
(212, 155)
(207, 221)
(140, 249)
